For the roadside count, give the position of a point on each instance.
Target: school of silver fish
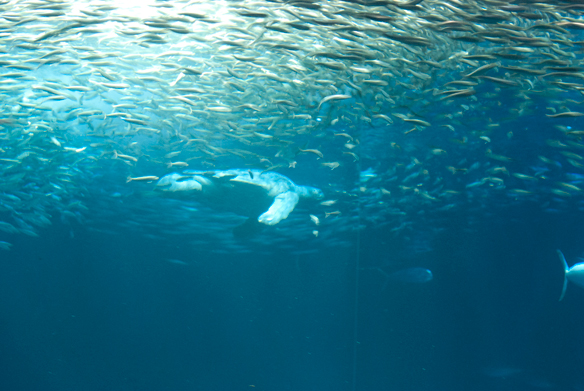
(403, 112)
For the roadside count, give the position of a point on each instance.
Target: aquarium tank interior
(291, 195)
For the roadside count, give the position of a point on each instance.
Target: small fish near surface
(574, 274)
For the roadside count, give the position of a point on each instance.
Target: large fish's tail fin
(566, 268)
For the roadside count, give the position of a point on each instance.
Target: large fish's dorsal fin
(566, 268)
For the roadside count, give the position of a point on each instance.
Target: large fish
(574, 274)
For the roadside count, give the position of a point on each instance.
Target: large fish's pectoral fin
(566, 268)
(283, 204)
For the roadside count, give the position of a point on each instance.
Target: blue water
(101, 312)
(125, 289)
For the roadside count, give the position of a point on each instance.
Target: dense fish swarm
(401, 112)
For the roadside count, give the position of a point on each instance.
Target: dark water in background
(88, 311)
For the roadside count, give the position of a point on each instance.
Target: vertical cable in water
(356, 314)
